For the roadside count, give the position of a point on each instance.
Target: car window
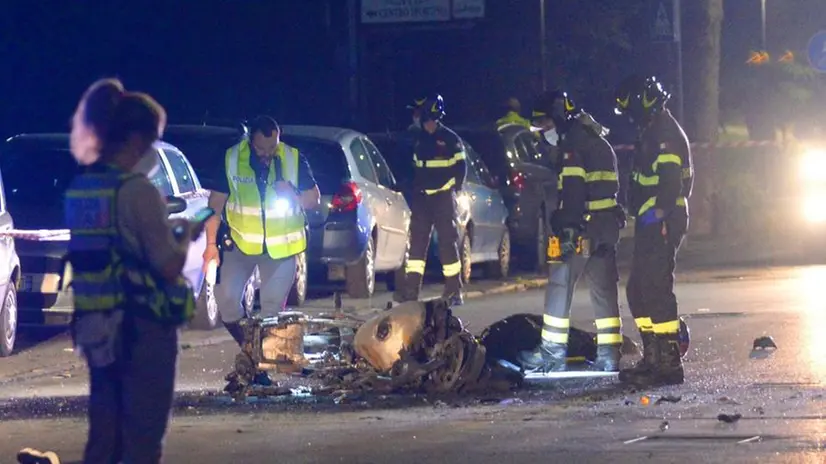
(490, 148)
(161, 179)
(482, 172)
(470, 161)
(523, 153)
(180, 169)
(398, 153)
(382, 171)
(362, 160)
(326, 159)
(530, 142)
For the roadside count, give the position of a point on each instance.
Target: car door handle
(489, 200)
(388, 201)
(472, 197)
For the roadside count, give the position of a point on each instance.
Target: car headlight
(813, 165)
(814, 207)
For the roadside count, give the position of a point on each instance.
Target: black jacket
(439, 160)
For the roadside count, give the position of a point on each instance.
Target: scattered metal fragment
(759, 410)
(764, 343)
(749, 440)
(664, 426)
(628, 442)
(729, 418)
(668, 399)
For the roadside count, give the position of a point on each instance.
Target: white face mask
(551, 136)
(148, 164)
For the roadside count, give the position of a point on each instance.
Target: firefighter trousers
(600, 271)
(427, 211)
(650, 288)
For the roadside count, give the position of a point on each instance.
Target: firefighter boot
(665, 369)
(608, 357)
(549, 357)
(649, 352)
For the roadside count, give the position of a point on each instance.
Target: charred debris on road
(418, 347)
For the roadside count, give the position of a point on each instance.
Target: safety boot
(649, 352)
(667, 366)
(549, 357)
(608, 358)
(457, 299)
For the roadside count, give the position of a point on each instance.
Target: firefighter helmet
(556, 105)
(433, 108)
(640, 97)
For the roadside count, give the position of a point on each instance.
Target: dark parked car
(485, 238)
(527, 183)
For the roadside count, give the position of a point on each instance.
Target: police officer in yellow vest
(269, 185)
(512, 116)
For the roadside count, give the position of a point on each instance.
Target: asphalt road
(780, 397)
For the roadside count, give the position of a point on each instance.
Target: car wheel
(361, 276)
(8, 321)
(298, 294)
(206, 309)
(465, 259)
(501, 267)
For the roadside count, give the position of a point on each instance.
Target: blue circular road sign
(817, 51)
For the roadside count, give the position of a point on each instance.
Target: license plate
(335, 272)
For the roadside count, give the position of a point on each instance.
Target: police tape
(742, 144)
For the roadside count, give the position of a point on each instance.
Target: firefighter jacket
(253, 222)
(105, 276)
(663, 173)
(439, 160)
(588, 180)
(512, 117)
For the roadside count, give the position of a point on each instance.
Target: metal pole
(679, 44)
(352, 38)
(543, 49)
(763, 22)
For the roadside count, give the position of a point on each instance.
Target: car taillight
(347, 198)
(518, 181)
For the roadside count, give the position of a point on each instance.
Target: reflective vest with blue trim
(252, 223)
(104, 276)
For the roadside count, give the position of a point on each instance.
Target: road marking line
(749, 440)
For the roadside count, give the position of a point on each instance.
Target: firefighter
(512, 115)
(440, 170)
(586, 229)
(662, 179)
(267, 188)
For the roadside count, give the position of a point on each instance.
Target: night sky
(288, 58)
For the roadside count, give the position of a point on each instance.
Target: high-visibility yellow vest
(105, 276)
(251, 223)
(512, 117)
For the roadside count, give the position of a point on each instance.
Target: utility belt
(583, 248)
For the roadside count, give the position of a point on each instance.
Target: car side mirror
(175, 205)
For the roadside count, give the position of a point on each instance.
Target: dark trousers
(600, 272)
(130, 401)
(427, 211)
(650, 288)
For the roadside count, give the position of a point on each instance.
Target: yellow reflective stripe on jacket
(650, 181)
(448, 185)
(599, 176)
(599, 205)
(667, 158)
(446, 163)
(573, 171)
(253, 224)
(681, 201)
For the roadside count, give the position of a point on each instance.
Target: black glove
(568, 241)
